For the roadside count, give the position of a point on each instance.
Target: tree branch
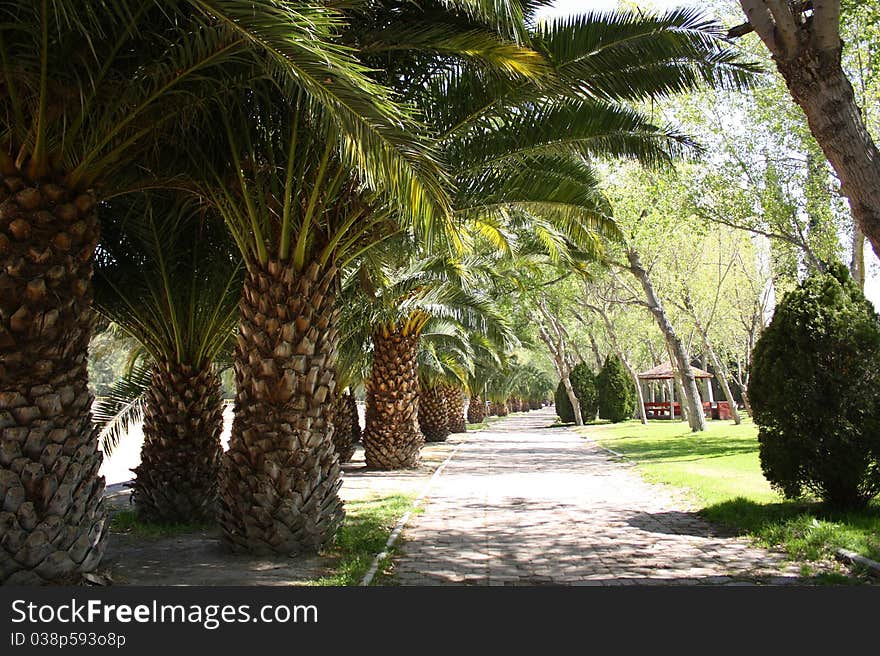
(786, 29)
(761, 12)
(826, 24)
(761, 21)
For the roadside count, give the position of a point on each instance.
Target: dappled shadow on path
(529, 505)
(199, 558)
(519, 541)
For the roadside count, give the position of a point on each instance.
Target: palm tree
(168, 275)
(444, 360)
(352, 368)
(346, 425)
(455, 419)
(396, 305)
(88, 89)
(488, 357)
(520, 151)
(302, 195)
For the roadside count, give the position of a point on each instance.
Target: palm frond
(123, 406)
(168, 275)
(636, 55)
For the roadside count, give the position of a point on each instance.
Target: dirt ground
(199, 558)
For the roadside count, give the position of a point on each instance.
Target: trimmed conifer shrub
(583, 381)
(815, 395)
(563, 405)
(617, 395)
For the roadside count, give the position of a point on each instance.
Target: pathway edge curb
(401, 523)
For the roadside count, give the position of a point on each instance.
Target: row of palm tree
(309, 136)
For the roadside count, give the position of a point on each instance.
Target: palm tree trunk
(351, 402)
(52, 523)
(433, 413)
(280, 478)
(392, 438)
(476, 412)
(455, 409)
(346, 426)
(180, 458)
(498, 409)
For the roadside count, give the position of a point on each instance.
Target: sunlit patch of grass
(366, 528)
(721, 470)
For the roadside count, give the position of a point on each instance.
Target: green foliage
(617, 395)
(169, 277)
(563, 405)
(122, 405)
(721, 469)
(584, 383)
(367, 525)
(814, 392)
(109, 358)
(127, 522)
(583, 380)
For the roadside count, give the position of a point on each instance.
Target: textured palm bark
(476, 412)
(392, 439)
(433, 413)
(346, 426)
(498, 409)
(455, 409)
(52, 517)
(180, 458)
(351, 403)
(280, 478)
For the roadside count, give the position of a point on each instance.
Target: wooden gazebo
(667, 408)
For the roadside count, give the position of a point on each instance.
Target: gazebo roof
(664, 372)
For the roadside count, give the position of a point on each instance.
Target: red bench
(660, 410)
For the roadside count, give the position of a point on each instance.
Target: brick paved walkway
(522, 504)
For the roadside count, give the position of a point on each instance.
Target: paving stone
(524, 504)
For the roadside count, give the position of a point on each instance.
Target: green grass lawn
(127, 521)
(363, 534)
(721, 471)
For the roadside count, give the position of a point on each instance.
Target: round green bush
(617, 394)
(583, 381)
(814, 392)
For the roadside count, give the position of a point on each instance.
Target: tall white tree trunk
(722, 377)
(596, 354)
(554, 337)
(615, 344)
(720, 372)
(857, 261)
(696, 419)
